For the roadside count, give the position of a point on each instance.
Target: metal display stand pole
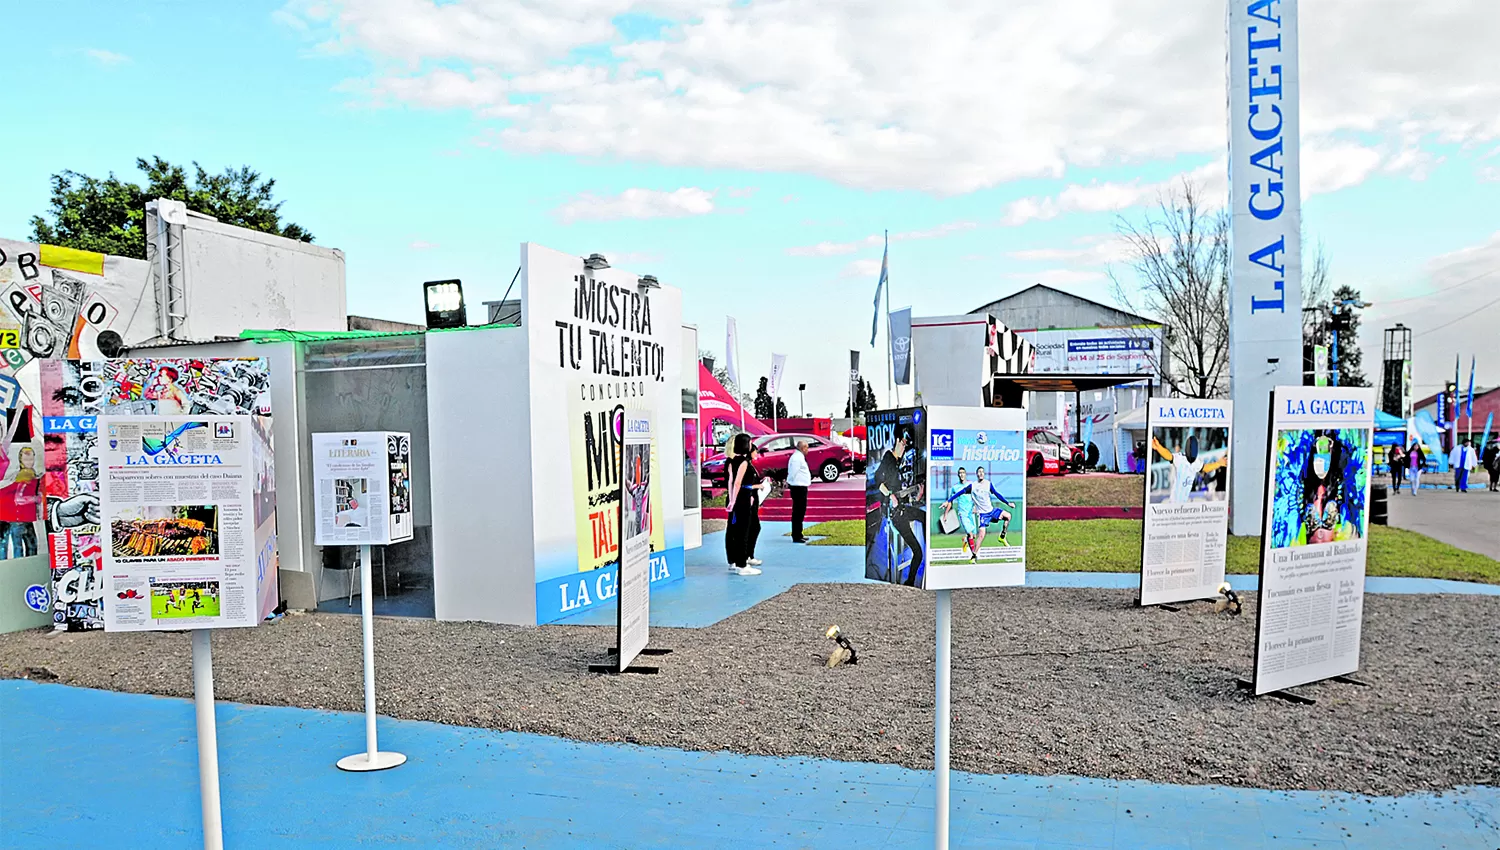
(208, 740)
(372, 758)
(941, 716)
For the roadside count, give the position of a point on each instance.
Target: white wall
(949, 359)
(479, 426)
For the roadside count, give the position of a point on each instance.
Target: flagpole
(890, 346)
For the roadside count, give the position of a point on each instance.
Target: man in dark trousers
(901, 512)
(798, 479)
(1491, 459)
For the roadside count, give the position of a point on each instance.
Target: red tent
(715, 404)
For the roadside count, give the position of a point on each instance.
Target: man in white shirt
(1461, 459)
(798, 479)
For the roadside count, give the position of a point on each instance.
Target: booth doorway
(375, 384)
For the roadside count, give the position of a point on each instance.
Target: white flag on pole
(778, 366)
(731, 346)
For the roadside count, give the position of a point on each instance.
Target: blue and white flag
(884, 273)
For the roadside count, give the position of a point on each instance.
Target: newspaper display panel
(635, 537)
(363, 488)
(178, 510)
(976, 495)
(1186, 534)
(1312, 569)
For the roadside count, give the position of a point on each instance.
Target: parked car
(1048, 454)
(826, 459)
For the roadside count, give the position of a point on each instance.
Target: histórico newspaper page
(1187, 499)
(177, 505)
(1317, 518)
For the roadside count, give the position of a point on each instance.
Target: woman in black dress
(743, 507)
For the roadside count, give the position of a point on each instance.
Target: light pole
(1339, 320)
(802, 399)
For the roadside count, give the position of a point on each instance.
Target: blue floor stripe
(97, 769)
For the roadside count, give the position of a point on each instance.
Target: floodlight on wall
(445, 304)
(648, 282)
(595, 262)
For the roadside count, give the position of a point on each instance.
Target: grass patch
(719, 501)
(1114, 546)
(1077, 491)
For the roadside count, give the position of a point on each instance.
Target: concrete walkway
(1467, 520)
(83, 768)
(710, 593)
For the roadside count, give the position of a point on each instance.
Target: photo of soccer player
(977, 499)
(1188, 464)
(1321, 482)
(174, 598)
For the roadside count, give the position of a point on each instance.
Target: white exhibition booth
(514, 470)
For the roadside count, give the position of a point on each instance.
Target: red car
(1048, 454)
(827, 460)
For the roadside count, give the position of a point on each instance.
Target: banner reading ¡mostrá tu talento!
(1186, 530)
(1312, 567)
(1265, 269)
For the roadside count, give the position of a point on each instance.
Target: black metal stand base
(1247, 685)
(614, 670)
(1346, 680)
(615, 650)
(1162, 605)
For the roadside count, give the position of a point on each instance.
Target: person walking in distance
(1491, 460)
(741, 507)
(798, 479)
(1415, 457)
(1463, 462)
(1396, 459)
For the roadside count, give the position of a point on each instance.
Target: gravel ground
(1046, 681)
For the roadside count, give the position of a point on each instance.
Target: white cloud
(948, 96)
(862, 268)
(422, 245)
(637, 204)
(1489, 174)
(832, 249)
(1058, 277)
(1088, 251)
(107, 58)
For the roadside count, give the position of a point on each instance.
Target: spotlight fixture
(844, 653)
(595, 262)
(1228, 601)
(648, 282)
(445, 304)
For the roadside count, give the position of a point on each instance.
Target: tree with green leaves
(1344, 316)
(764, 406)
(108, 215)
(864, 399)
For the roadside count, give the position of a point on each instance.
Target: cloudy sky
(752, 153)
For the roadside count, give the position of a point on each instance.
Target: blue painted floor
(710, 593)
(83, 768)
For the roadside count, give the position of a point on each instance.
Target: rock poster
(1185, 538)
(362, 488)
(177, 505)
(895, 503)
(976, 497)
(1312, 571)
(74, 393)
(637, 509)
(602, 341)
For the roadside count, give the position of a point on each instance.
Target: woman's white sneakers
(754, 562)
(744, 571)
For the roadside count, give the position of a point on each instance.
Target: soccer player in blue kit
(985, 511)
(963, 505)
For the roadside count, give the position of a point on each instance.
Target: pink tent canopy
(715, 404)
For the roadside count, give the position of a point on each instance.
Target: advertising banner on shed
(74, 393)
(976, 495)
(178, 506)
(600, 341)
(636, 517)
(1265, 243)
(895, 497)
(1185, 538)
(362, 488)
(1312, 568)
(1122, 350)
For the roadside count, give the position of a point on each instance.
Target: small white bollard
(372, 758)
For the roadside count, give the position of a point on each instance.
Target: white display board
(362, 488)
(976, 497)
(634, 592)
(1265, 207)
(1312, 569)
(1185, 537)
(177, 506)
